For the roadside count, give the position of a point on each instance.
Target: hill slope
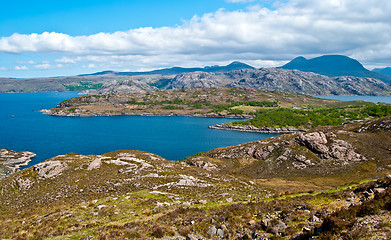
(223, 193)
(386, 70)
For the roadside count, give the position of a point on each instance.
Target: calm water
(375, 99)
(47, 136)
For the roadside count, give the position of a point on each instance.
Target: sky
(44, 38)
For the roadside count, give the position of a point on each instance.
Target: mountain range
(329, 74)
(178, 70)
(335, 65)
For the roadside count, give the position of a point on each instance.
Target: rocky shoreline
(11, 161)
(257, 129)
(79, 114)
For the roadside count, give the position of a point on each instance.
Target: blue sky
(53, 38)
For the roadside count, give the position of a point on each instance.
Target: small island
(263, 111)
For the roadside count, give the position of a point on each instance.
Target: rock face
(10, 161)
(336, 149)
(126, 86)
(194, 80)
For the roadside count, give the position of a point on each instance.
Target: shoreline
(212, 115)
(282, 130)
(12, 161)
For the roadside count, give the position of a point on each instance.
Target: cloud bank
(358, 28)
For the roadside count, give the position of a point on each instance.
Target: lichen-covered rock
(315, 141)
(50, 169)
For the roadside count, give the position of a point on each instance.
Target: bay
(375, 99)
(24, 128)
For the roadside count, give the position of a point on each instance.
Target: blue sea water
(24, 128)
(375, 99)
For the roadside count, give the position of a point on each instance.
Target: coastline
(282, 130)
(11, 161)
(145, 114)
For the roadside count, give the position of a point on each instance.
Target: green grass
(283, 117)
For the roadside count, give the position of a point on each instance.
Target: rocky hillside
(344, 152)
(126, 86)
(95, 80)
(284, 187)
(274, 79)
(277, 79)
(213, 102)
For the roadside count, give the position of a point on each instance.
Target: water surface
(375, 99)
(24, 128)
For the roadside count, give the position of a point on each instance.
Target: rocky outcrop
(323, 151)
(257, 129)
(11, 161)
(328, 147)
(50, 169)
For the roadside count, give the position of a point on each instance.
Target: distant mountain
(333, 66)
(277, 79)
(386, 70)
(178, 70)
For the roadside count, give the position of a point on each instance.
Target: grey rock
(220, 232)
(89, 238)
(212, 231)
(193, 237)
(50, 169)
(280, 227)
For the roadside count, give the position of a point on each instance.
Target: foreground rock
(11, 161)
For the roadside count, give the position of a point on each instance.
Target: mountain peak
(334, 65)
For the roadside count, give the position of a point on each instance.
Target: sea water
(24, 128)
(375, 99)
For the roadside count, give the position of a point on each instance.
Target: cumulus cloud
(297, 27)
(43, 66)
(91, 65)
(21, 68)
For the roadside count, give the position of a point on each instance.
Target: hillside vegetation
(309, 118)
(216, 102)
(320, 183)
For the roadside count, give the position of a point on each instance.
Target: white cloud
(43, 66)
(66, 60)
(59, 66)
(91, 65)
(297, 27)
(3, 69)
(31, 62)
(21, 68)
